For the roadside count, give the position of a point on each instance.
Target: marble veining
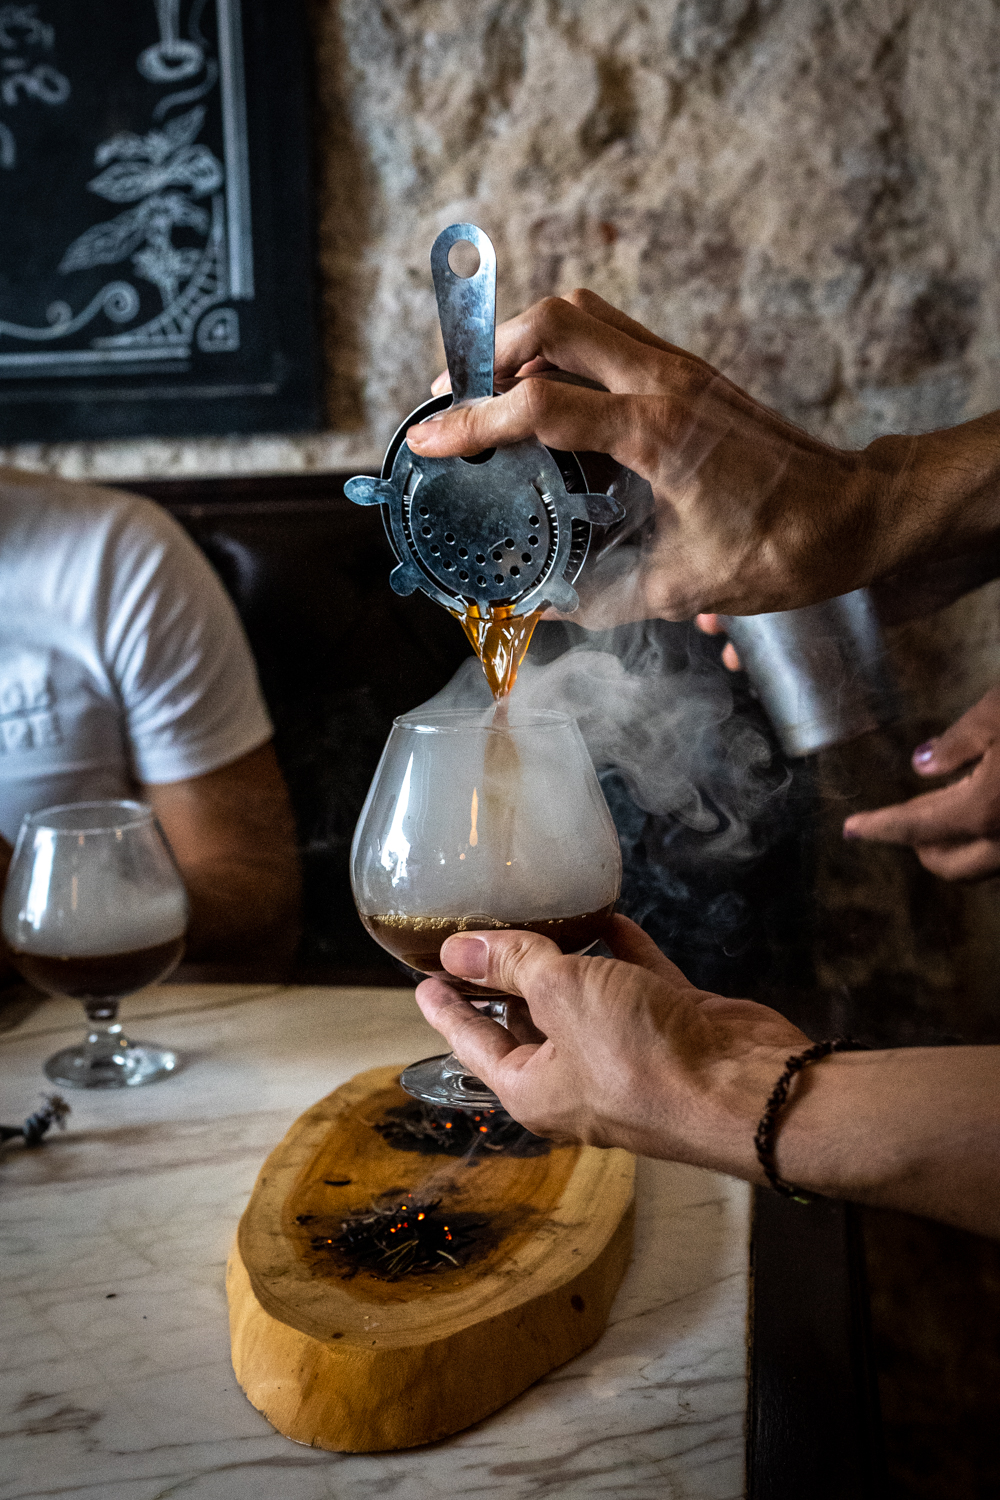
(115, 1382)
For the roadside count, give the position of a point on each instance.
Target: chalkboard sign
(155, 203)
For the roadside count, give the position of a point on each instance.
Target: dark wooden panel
(813, 1426)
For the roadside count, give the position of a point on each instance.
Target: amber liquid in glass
(417, 940)
(100, 976)
(500, 640)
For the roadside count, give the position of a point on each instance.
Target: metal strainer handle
(467, 311)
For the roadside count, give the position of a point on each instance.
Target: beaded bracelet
(769, 1120)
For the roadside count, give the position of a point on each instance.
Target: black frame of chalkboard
(284, 394)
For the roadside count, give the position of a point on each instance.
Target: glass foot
(442, 1080)
(125, 1066)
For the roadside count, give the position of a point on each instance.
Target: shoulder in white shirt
(122, 658)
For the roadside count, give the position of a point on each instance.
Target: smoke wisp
(655, 708)
(710, 818)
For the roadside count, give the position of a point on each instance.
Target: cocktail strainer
(510, 526)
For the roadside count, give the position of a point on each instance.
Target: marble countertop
(115, 1374)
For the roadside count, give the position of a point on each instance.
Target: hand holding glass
(95, 908)
(476, 823)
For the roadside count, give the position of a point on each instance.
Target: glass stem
(452, 1068)
(104, 1035)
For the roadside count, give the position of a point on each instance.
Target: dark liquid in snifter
(99, 976)
(417, 940)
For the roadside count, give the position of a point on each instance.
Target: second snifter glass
(95, 908)
(475, 822)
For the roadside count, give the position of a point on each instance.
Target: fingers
(973, 861)
(567, 336)
(970, 809)
(544, 326)
(603, 312)
(935, 818)
(710, 625)
(530, 966)
(965, 741)
(519, 1023)
(480, 1043)
(560, 416)
(954, 830)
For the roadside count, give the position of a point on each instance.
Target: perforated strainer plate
(446, 534)
(503, 531)
(502, 528)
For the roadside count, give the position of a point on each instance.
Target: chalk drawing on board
(164, 180)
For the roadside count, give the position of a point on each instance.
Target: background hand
(615, 1052)
(955, 830)
(711, 626)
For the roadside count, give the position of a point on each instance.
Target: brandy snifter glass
(480, 821)
(94, 909)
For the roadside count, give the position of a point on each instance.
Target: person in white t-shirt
(124, 672)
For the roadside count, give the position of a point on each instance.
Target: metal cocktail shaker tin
(822, 673)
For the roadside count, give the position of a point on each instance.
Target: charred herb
(52, 1112)
(402, 1239)
(435, 1131)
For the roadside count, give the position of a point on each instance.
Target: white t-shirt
(122, 659)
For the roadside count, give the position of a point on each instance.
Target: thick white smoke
(666, 725)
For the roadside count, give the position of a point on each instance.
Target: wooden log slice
(365, 1364)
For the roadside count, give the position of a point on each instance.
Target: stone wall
(804, 192)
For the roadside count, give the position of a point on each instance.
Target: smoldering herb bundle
(401, 1239)
(433, 1131)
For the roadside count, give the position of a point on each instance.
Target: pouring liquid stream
(500, 639)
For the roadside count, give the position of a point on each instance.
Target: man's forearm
(916, 1129)
(626, 1052)
(6, 854)
(242, 913)
(233, 837)
(933, 495)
